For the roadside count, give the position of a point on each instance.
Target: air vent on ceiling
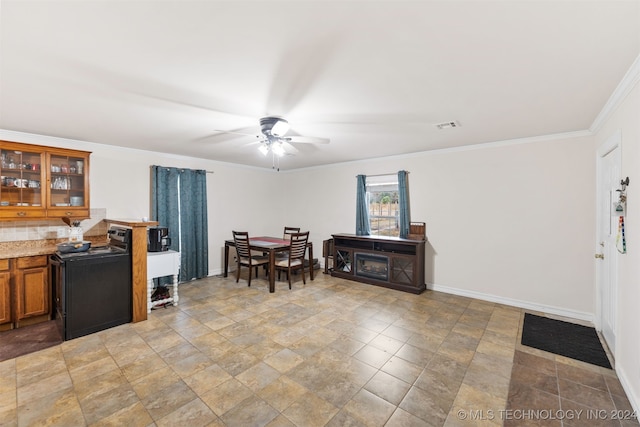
(448, 125)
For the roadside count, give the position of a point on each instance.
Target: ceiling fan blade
(306, 140)
(218, 131)
(298, 71)
(289, 149)
(219, 138)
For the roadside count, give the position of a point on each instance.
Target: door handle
(600, 256)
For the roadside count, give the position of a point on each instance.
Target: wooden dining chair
(245, 258)
(286, 235)
(295, 259)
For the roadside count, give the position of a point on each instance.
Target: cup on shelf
(76, 200)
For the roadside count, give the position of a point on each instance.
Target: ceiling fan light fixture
(278, 149)
(280, 127)
(264, 149)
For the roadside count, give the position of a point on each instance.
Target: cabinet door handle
(21, 213)
(68, 213)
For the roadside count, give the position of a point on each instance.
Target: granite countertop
(24, 248)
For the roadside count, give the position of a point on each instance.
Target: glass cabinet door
(67, 186)
(21, 175)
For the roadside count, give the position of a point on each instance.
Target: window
(384, 211)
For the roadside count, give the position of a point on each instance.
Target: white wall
(509, 223)
(626, 118)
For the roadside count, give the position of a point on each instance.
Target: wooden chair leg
(249, 280)
(238, 273)
(289, 277)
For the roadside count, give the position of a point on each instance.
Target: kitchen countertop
(24, 248)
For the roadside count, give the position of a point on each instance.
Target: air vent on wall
(448, 125)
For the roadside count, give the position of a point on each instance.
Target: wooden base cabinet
(31, 281)
(382, 261)
(26, 291)
(5, 294)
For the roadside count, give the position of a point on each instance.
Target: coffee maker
(158, 239)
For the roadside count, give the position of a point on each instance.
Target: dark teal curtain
(403, 202)
(179, 202)
(164, 201)
(193, 224)
(363, 226)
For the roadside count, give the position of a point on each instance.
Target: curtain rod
(384, 174)
(169, 167)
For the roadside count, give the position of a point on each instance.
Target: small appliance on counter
(158, 239)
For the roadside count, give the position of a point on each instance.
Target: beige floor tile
(134, 415)
(192, 414)
(281, 393)
(60, 407)
(310, 410)
(35, 391)
(258, 376)
(164, 401)
(93, 369)
(388, 387)
(253, 411)
(206, 379)
(370, 409)
(157, 380)
(88, 388)
(226, 396)
(97, 406)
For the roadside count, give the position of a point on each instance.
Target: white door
(608, 167)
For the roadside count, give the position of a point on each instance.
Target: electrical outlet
(62, 232)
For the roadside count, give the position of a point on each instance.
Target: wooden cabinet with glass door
(22, 190)
(41, 182)
(69, 184)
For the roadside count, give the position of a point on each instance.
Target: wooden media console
(390, 262)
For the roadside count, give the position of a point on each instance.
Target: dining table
(271, 246)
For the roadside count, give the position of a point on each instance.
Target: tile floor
(331, 353)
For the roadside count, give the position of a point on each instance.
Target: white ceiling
(374, 77)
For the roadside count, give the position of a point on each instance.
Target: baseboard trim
(633, 399)
(549, 309)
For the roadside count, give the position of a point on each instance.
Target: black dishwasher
(92, 289)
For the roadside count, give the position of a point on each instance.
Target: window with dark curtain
(179, 202)
(403, 202)
(363, 228)
(382, 205)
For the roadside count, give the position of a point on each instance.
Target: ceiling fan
(273, 140)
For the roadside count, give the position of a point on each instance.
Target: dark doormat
(566, 339)
(25, 340)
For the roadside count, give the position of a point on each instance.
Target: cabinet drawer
(17, 213)
(4, 264)
(31, 261)
(68, 212)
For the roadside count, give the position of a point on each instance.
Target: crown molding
(625, 86)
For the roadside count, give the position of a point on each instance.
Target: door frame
(611, 143)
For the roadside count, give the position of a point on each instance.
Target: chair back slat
(241, 239)
(288, 231)
(298, 245)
